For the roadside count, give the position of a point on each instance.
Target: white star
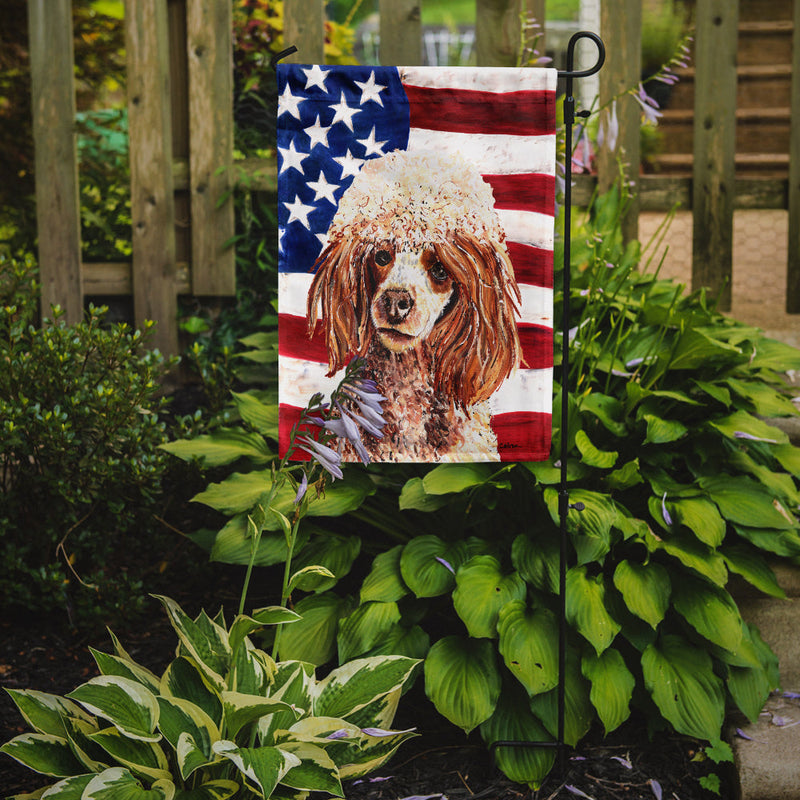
(350, 164)
(288, 102)
(343, 112)
(370, 90)
(315, 77)
(298, 211)
(324, 189)
(318, 134)
(373, 148)
(291, 158)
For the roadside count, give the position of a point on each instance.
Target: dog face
(412, 291)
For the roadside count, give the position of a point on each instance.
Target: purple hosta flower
(301, 489)
(445, 563)
(342, 733)
(582, 154)
(577, 792)
(608, 132)
(380, 732)
(624, 761)
(742, 735)
(425, 797)
(664, 512)
(328, 459)
(655, 786)
(791, 695)
(649, 106)
(376, 779)
(751, 437)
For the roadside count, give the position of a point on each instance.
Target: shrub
(79, 430)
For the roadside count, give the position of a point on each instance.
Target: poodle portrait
(415, 278)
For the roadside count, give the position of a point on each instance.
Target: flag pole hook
(564, 505)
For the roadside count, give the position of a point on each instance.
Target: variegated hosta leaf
(45, 712)
(294, 685)
(513, 721)
(242, 709)
(683, 685)
(212, 790)
(462, 680)
(646, 589)
(125, 668)
(68, 789)
(44, 753)
(126, 704)
(316, 771)
(385, 581)
(145, 759)
(358, 683)
(244, 625)
(117, 783)
(586, 608)
(481, 591)
(373, 753)
(612, 686)
(263, 767)
(183, 679)
(252, 670)
(365, 627)
(529, 645)
(78, 733)
(179, 718)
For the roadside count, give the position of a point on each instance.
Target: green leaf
(740, 422)
(365, 627)
(695, 350)
(774, 355)
(710, 610)
(529, 645)
(586, 609)
(414, 497)
(608, 410)
(663, 431)
(68, 789)
(627, 476)
(746, 561)
(591, 456)
(691, 553)
(683, 685)
(385, 581)
(234, 545)
(125, 668)
(316, 772)
(237, 493)
(44, 753)
(223, 446)
(701, 517)
(126, 704)
(749, 687)
(399, 640)
(264, 766)
(244, 625)
(313, 638)
(512, 721)
(462, 680)
(612, 687)
(117, 783)
(182, 679)
(334, 553)
(481, 591)
(537, 560)
(178, 717)
(422, 567)
(645, 588)
(766, 401)
(449, 478)
(212, 790)
(45, 712)
(261, 416)
(241, 709)
(789, 457)
(782, 543)
(745, 502)
(145, 759)
(717, 392)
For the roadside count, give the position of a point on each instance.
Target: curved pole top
(570, 72)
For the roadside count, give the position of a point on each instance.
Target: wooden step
(766, 165)
(754, 10)
(765, 42)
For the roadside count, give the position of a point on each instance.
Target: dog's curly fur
(416, 278)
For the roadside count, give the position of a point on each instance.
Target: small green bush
(79, 464)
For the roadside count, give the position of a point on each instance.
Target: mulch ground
(44, 654)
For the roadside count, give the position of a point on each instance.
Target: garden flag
(416, 219)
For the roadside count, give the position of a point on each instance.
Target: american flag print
(472, 149)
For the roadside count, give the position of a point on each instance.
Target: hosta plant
(224, 720)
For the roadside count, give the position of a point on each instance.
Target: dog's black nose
(397, 304)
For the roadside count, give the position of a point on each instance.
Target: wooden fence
(181, 134)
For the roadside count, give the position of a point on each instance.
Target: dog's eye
(438, 272)
(383, 257)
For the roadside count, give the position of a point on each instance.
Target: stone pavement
(768, 762)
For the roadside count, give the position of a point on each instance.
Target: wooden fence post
(621, 28)
(793, 267)
(717, 23)
(56, 161)
(498, 30)
(304, 27)
(400, 33)
(152, 200)
(210, 54)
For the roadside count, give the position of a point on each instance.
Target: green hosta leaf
(399, 640)
(234, 545)
(118, 784)
(612, 687)
(44, 753)
(709, 610)
(529, 645)
(608, 410)
(774, 355)
(462, 680)
(313, 638)
(767, 401)
(261, 416)
(182, 679)
(696, 349)
(355, 685)
(365, 627)
(741, 425)
(537, 561)
(694, 554)
(312, 577)
(512, 721)
(316, 772)
(663, 431)
(601, 459)
(145, 759)
(449, 478)
(242, 709)
(428, 565)
(597, 517)
(237, 493)
(625, 477)
(683, 685)
(125, 668)
(413, 497)
(645, 588)
(385, 582)
(264, 766)
(753, 567)
(788, 456)
(749, 688)
(716, 391)
(701, 517)
(223, 446)
(45, 712)
(481, 591)
(586, 608)
(335, 553)
(782, 543)
(745, 502)
(127, 705)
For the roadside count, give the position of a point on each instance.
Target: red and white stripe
(503, 120)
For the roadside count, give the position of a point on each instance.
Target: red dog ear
(476, 345)
(340, 287)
